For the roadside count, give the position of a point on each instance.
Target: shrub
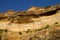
(5, 30)
(28, 30)
(0, 37)
(35, 30)
(47, 26)
(30, 38)
(1, 30)
(20, 33)
(39, 29)
(56, 22)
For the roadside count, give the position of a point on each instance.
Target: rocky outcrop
(34, 24)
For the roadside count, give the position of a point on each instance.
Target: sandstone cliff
(33, 24)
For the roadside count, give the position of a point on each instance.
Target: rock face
(34, 24)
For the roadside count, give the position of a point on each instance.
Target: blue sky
(24, 4)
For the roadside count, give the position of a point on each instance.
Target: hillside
(33, 24)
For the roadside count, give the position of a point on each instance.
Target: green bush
(1, 30)
(28, 30)
(47, 26)
(37, 30)
(20, 33)
(56, 22)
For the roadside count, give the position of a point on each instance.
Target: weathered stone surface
(34, 24)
